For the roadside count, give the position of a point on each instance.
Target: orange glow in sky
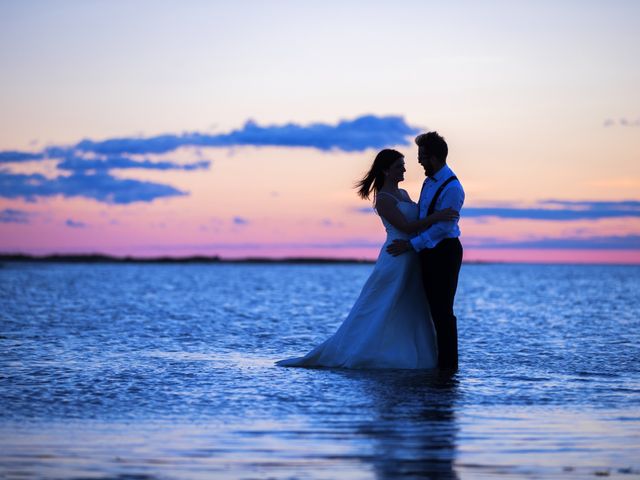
(528, 119)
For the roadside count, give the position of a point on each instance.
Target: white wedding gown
(390, 325)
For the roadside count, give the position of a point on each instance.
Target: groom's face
(426, 160)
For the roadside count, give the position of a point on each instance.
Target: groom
(438, 247)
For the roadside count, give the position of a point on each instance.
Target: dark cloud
(328, 223)
(553, 210)
(91, 161)
(99, 186)
(12, 156)
(623, 242)
(348, 243)
(73, 224)
(560, 210)
(80, 164)
(628, 242)
(622, 122)
(10, 215)
(544, 214)
(368, 131)
(362, 133)
(240, 221)
(90, 177)
(368, 210)
(631, 205)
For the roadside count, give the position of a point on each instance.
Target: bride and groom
(404, 316)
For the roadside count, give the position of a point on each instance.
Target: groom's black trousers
(440, 269)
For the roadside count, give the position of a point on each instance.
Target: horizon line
(106, 258)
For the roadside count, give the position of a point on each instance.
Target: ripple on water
(167, 370)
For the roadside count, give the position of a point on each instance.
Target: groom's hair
(434, 144)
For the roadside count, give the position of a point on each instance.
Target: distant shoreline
(101, 258)
(97, 258)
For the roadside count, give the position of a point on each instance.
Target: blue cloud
(544, 214)
(80, 164)
(11, 156)
(90, 177)
(99, 186)
(560, 210)
(629, 242)
(349, 243)
(622, 242)
(368, 131)
(622, 122)
(552, 210)
(10, 215)
(632, 205)
(73, 224)
(240, 221)
(91, 161)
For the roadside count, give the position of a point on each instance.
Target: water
(166, 371)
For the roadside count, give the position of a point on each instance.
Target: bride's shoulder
(405, 194)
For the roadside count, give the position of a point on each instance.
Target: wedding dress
(389, 326)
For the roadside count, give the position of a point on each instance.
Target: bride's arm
(387, 208)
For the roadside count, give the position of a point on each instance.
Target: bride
(389, 326)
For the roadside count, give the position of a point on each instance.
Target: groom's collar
(444, 172)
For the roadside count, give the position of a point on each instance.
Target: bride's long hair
(374, 179)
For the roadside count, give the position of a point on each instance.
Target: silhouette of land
(100, 258)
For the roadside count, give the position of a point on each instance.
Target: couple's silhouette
(404, 315)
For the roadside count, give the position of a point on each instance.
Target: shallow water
(166, 371)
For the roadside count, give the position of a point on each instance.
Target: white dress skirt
(390, 324)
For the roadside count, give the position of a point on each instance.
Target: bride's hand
(446, 215)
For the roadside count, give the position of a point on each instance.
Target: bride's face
(396, 170)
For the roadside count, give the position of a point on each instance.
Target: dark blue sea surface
(167, 371)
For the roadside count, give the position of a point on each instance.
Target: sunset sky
(239, 128)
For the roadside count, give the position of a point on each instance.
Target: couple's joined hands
(398, 246)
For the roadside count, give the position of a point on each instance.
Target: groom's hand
(398, 247)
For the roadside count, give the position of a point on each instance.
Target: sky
(238, 129)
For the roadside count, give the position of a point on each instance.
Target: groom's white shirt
(451, 197)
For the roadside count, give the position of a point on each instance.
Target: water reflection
(181, 384)
(413, 429)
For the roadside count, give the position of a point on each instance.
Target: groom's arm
(452, 197)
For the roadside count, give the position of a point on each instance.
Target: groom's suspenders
(432, 205)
